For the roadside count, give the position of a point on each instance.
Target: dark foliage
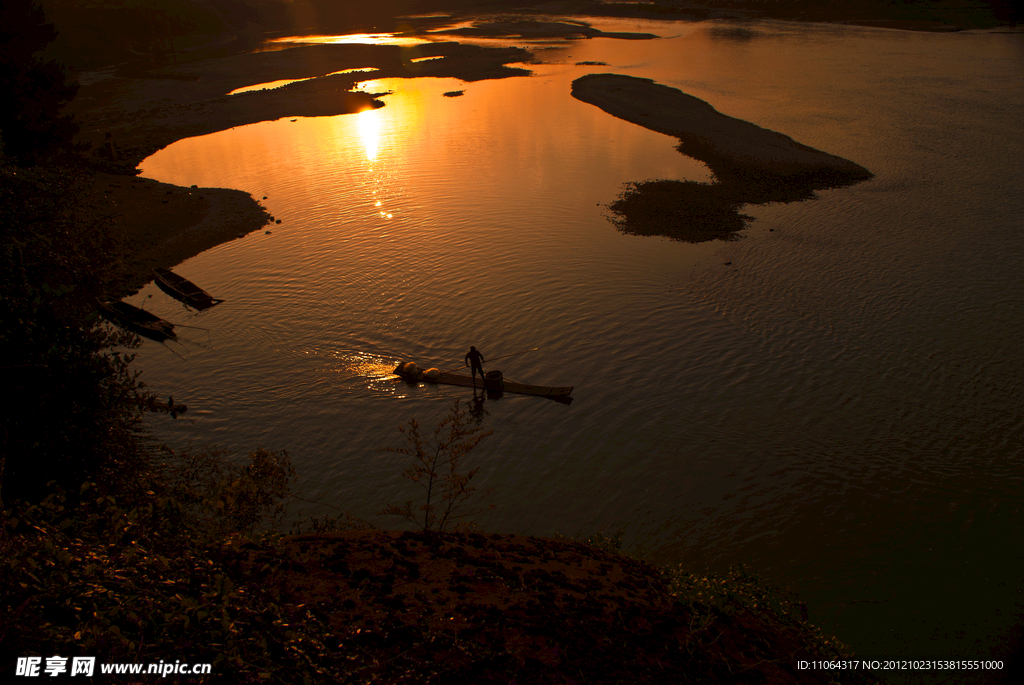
(147, 576)
(74, 406)
(426, 607)
(36, 89)
(134, 562)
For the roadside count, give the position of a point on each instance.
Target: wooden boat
(139, 321)
(509, 386)
(184, 290)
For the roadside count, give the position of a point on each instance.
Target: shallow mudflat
(753, 165)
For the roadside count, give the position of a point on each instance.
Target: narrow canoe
(509, 386)
(139, 321)
(184, 290)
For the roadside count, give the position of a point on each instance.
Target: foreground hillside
(369, 606)
(430, 607)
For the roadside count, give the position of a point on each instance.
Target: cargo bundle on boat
(184, 290)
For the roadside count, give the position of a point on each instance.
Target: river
(835, 399)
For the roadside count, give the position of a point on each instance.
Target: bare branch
(435, 467)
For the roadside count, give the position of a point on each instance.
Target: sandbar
(530, 28)
(751, 164)
(730, 147)
(147, 224)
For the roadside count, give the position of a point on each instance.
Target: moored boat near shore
(184, 290)
(138, 320)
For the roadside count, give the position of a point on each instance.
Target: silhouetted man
(475, 361)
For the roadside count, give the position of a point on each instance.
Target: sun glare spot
(373, 86)
(353, 38)
(368, 366)
(369, 131)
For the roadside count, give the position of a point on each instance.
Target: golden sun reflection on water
(353, 38)
(369, 131)
(386, 133)
(366, 365)
(377, 371)
(369, 123)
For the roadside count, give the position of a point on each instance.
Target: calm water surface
(840, 407)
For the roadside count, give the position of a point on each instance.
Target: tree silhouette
(35, 89)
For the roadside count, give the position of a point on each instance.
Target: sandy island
(752, 165)
(537, 29)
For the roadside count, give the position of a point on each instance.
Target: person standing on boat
(475, 361)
